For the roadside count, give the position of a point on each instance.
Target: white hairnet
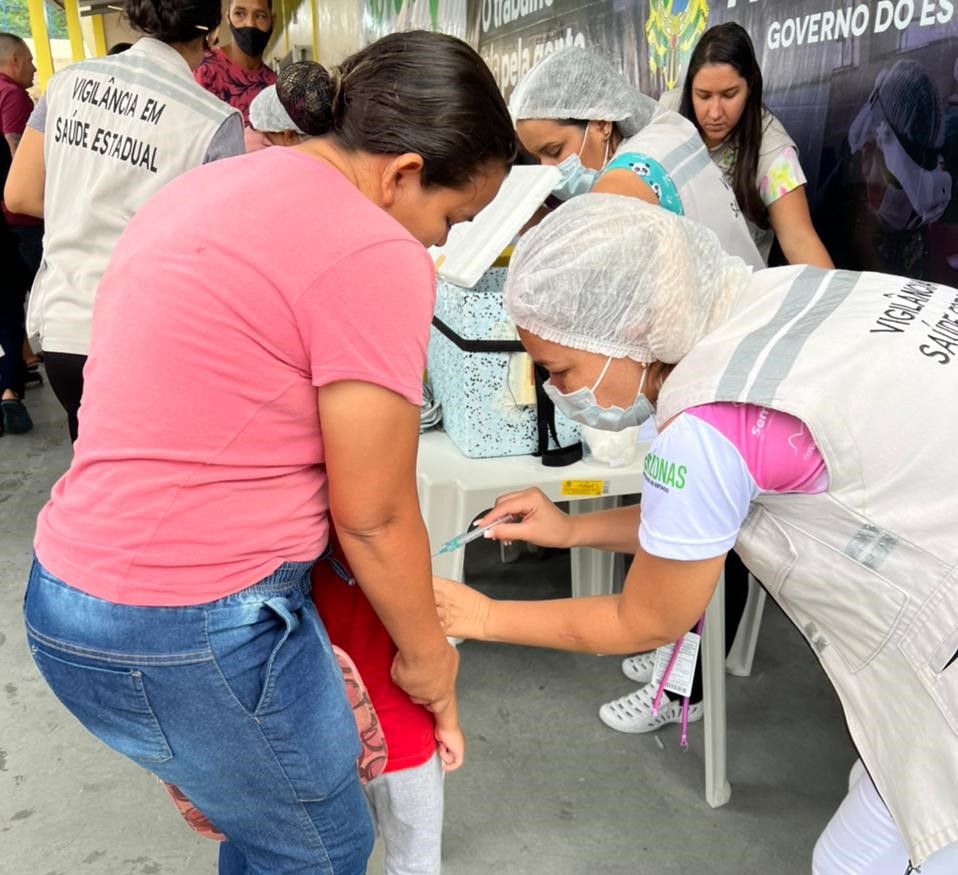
(620, 277)
(267, 114)
(575, 83)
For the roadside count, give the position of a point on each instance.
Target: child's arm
(450, 738)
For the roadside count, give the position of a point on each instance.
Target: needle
(472, 535)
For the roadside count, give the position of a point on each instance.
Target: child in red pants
(406, 801)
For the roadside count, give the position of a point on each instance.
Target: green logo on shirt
(665, 473)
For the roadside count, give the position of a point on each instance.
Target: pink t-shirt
(234, 292)
(709, 464)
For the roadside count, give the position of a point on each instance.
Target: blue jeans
(239, 702)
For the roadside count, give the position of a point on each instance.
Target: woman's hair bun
(173, 21)
(308, 93)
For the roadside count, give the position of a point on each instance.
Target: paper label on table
(584, 488)
(683, 672)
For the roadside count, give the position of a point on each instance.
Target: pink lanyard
(684, 742)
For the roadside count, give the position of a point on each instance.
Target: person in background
(575, 111)
(21, 238)
(268, 116)
(779, 396)
(722, 96)
(14, 280)
(87, 169)
(874, 209)
(16, 76)
(169, 604)
(235, 72)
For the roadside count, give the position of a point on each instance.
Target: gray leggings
(406, 808)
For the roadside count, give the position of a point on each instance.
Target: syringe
(471, 535)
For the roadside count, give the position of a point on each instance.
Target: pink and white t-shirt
(234, 293)
(708, 465)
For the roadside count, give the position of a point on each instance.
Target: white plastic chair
(742, 653)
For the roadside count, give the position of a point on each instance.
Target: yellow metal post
(314, 15)
(41, 42)
(99, 36)
(72, 10)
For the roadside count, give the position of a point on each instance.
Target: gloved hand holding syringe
(459, 541)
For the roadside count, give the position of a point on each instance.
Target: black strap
(546, 427)
(476, 345)
(545, 409)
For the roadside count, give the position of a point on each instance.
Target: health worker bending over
(169, 604)
(575, 111)
(779, 398)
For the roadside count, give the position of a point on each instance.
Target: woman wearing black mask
(236, 73)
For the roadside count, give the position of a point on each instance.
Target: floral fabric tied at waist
(371, 762)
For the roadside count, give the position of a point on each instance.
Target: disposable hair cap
(575, 83)
(267, 113)
(619, 277)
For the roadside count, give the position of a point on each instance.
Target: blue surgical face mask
(576, 177)
(581, 406)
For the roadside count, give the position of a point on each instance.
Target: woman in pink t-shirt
(169, 605)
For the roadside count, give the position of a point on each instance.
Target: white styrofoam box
(473, 246)
(479, 411)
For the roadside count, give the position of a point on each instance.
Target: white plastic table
(454, 490)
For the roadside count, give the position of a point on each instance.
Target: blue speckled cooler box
(479, 412)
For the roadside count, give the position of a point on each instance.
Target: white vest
(868, 571)
(117, 130)
(673, 141)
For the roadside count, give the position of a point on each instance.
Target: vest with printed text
(866, 570)
(117, 130)
(673, 141)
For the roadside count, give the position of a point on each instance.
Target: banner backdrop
(820, 60)
(380, 17)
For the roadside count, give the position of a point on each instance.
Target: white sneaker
(639, 668)
(633, 713)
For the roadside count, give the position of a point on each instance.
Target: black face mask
(250, 40)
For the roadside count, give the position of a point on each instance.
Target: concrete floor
(546, 789)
